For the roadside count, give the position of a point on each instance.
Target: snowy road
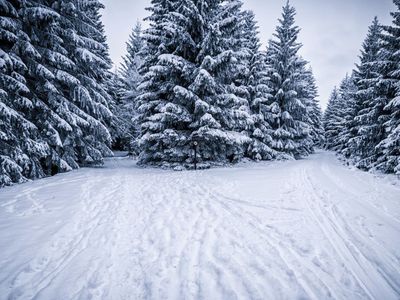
(310, 229)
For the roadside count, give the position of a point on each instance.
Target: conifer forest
(206, 163)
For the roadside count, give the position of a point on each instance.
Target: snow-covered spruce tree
(111, 85)
(368, 128)
(389, 148)
(43, 54)
(10, 88)
(313, 108)
(307, 93)
(222, 117)
(164, 100)
(339, 115)
(58, 98)
(291, 129)
(331, 119)
(85, 85)
(347, 91)
(20, 147)
(67, 89)
(122, 125)
(132, 61)
(124, 85)
(192, 89)
(257, 85)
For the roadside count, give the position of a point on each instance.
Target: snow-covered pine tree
(368, 128)
(64, 102)
(389, 147)
(68, 115)
(314, 110)
(10, 149)
(308, 93)
(165, 103)
(192, 87)
(92, 10)
(124, 86)
(222, 117)
(347, 91)
(257, 84)
(132, 61)
(331, 119)
(43, 54)
(20, 147)
(122, 125)
(86, 87)
(339, 115)
(291, 130)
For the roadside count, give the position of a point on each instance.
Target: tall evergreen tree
(389, 147)
(313, 109)
(257, 84)
(368, 129)
(47, 61)
(291, 129)
(339, 115)
(20, 147)
(85, 42)
(307, 93)
(347, 93)
(60, 103)
(165, 115)
(132, 61)
(192, 89)
(222, 117)
(362, 118)
(122, 125)
(81, 84)
(124, 85)
(72, 100)
(331, 119)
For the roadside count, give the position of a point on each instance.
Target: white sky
(332, 30)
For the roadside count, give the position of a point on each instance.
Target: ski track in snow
(309, 229)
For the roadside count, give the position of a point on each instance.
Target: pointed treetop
(287, 32)
(372, 43)
(375, 26)
(288, 14)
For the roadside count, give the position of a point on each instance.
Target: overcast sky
(332, 30)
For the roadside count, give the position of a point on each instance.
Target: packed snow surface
(308, 229)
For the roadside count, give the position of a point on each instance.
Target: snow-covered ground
(309, 229)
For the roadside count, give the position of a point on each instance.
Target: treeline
(197, 77)
(54, 100)
(362, 120)
(204, 80)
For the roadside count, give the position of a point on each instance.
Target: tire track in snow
(385, 262)
(388, 262)
(256, 248)
(370, 193)
(308, 274)
(367, 275)
(290, 259)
